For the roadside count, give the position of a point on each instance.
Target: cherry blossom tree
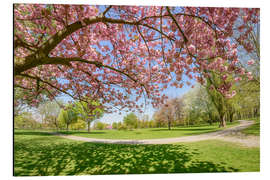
(120, 54)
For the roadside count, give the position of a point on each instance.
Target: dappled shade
(50, 155)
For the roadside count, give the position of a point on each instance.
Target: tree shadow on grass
(31, 133)
(60, 157)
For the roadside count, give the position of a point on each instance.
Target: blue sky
(171, 92)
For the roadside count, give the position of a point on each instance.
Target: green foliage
(79, 125)
(198, 107)
(119, 124)
(247, 99)
(67, 117)
(88, 111)
(41, 154)
(130, 121)
(26, 121)
(19, 102)
(100, 126)
(122, 127)
(114, 125)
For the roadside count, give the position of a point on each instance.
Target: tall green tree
(130, 120)
(217, 98)
(88, 111)
(67, 116)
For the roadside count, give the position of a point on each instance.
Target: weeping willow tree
(67, 116)
(217, 98)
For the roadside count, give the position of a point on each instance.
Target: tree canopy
(109, 53)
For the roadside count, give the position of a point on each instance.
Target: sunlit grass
(240, 157)
(148, 133)
(253, 129)
(38, 154)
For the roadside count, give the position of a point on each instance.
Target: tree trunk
(55, 123)
(67, 127)
(210, 119)
(88, 127)
(169, 124)
(222, 122)
(231, 117)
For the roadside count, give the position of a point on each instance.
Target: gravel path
(232, 134)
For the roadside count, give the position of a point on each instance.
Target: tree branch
(41, 55)
(138, 28)
(106, 10)
(48, 83)
(174, 20)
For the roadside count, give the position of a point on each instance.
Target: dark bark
(222, 122)
(88, 127)
(210, 121)
(231, 117)
(56, 124)
(169, 124)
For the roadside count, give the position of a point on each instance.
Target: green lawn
(149, 133)
(221, 152)
(37, 153)
(253, 129)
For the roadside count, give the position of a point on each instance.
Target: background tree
(88, 111)
(198, 106)
(19, 104)
(114, 125)
(166, 113)
(25, 120)
(78, 125)
(142, 121)
(216, 97)
(67, 116)
(131, 120)
(159, 119)
(100, 125)
(49, 111)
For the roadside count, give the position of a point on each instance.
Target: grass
(148, 133)
(253, 129)
(41, 154)
(221, 152)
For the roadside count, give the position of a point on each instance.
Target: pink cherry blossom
(237, 79)
(118, 56)
(250, 62)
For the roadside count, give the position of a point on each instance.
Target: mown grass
(221, 152)
(253, 129)
(148, 133)
(41, 154)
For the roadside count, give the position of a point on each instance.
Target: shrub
(122, 127)
(114, 125)
(99, 125)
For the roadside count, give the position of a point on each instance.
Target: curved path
(232, 134)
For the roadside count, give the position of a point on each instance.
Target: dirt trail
(232, 134)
